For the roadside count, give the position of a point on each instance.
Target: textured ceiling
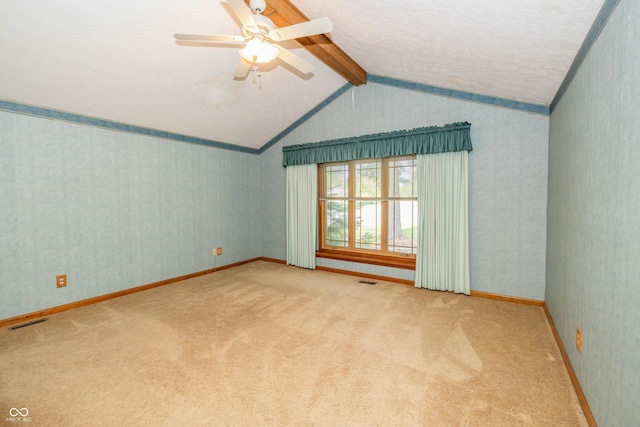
(118, 61)
(518, 50)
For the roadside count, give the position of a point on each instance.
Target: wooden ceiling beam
(284, 13)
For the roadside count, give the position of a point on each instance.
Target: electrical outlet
(579, 339)
(219, 251)
(61, 281)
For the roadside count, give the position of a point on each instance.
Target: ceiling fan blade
(242, 70)
(294, 60)
(304, 29)
(208, 38)
(244, 14)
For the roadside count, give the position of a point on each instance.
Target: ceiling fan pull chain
(256, 70)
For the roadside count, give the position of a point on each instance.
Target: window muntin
(369, 206)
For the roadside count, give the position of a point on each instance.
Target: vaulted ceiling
(118, 60)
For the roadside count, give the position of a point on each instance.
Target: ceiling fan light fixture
(258, 51)
(251, 50)
(266, 53)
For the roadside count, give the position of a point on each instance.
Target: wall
(113, 210)
(594, 220)
(507, 179)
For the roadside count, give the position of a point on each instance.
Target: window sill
(399, 261)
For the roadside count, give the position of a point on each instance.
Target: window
(368, 210)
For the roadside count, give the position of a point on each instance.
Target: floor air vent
(24, 325)
(367, 282)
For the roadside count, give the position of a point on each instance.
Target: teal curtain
(301, 215)
(427, 140)
(442, 260)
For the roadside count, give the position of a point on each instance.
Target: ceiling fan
(257, 32)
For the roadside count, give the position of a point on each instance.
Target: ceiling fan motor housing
(264, 24)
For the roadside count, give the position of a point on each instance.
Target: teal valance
(426, 140)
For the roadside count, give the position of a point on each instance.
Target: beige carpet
(266, 344)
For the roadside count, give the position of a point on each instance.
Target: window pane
(337, 180)
(401, 178)
(368, 225)
(403, 217)
(337, 223)
(369, 179)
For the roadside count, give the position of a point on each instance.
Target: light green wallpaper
(593, 237)
(113, 210)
